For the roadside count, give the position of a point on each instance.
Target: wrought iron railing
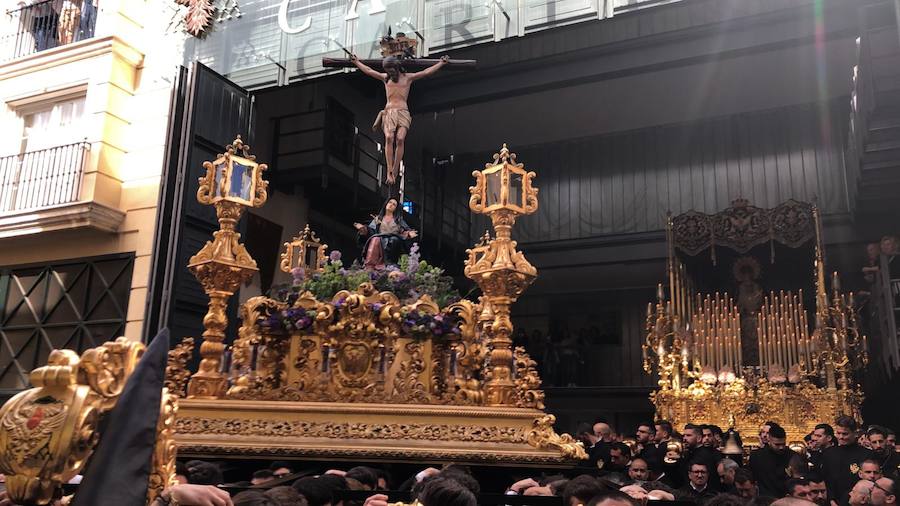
(46, 24)
(42, 178)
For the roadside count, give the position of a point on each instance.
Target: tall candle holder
(502, 191)
(232, 182)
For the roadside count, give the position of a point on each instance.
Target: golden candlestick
(503, 191)
(231, 183)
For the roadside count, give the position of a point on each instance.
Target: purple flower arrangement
(409, 281)
(417, 325)
(289, 320)
(426, 326)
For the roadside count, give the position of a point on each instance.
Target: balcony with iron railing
(44, 25)
(42, 178)
(49, 189)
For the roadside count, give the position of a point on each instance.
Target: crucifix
(395, 72)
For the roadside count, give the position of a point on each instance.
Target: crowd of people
(837, 465)
(840, 464)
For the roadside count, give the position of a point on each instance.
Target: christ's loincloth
(392, 119)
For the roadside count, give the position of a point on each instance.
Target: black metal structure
(74, 304)
(208, 112)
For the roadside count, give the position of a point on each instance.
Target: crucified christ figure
(395, 119)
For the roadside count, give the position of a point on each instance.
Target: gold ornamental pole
(502, 191)
(232, 182)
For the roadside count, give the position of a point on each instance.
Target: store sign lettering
(376, 7)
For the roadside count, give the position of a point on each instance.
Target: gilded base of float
(798, 408)
(358, 431)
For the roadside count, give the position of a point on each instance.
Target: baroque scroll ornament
(47, 433)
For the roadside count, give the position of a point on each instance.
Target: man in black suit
(842, 463)
(821, 438)
(695, 452)
(697, 488)
(769, 464)
(647, 448)
(745, 485)
(888, 459)
(726, 470)
(599, 453)
(664, 432)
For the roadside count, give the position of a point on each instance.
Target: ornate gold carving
(468, 354)
(297, 252)
(249, 332)
(215, 186)
(177, 374)
(101, 368)
(388, 454)
(528, 383)
(408, 387)
(361, 430)
(305, 362)
(542, 435)
(224, 263)
(341, 430)
(48, 432)
(355, 349)
(162, 469)
(500, 271)
(795, 376)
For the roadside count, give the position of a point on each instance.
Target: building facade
(85, 88)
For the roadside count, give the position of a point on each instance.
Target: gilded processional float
(764, 351)
(366, 372)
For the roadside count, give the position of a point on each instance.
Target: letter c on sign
(283, 21)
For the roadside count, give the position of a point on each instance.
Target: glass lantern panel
(218, 189)
(516, 187)
(493, 189)
(312, 253)
(241, 181)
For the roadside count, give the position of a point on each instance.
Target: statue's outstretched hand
(412, 234)
(445, 59)
(359, 227)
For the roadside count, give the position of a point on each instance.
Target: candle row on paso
(783, 331)
(680, 288)
(716, 327)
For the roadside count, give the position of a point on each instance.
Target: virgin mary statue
(385, 237)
